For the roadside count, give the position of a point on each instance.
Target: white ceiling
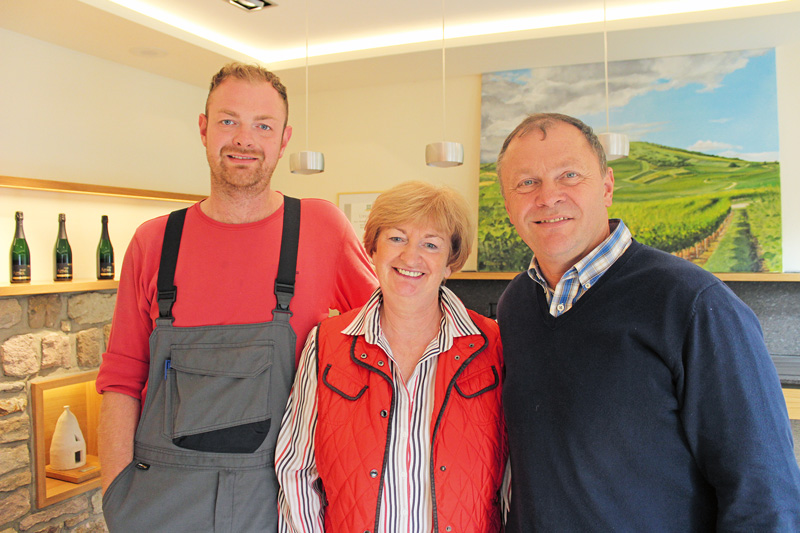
(378, 40)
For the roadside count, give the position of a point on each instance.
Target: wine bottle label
(107, 271)
(63, 271)
(20, 273)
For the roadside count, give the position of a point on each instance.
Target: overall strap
(167, 292)
(287, 265)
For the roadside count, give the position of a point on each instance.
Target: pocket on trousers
(161, 498)
(217, 397)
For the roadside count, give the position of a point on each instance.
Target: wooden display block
(83, 473)
(48, 398)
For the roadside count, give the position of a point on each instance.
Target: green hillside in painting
(721, 213)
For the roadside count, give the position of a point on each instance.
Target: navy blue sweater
(651, 405)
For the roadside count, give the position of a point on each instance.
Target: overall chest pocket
(217, 396)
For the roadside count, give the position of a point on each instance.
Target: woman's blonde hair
(419, 202)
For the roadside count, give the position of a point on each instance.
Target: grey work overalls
(203, 457)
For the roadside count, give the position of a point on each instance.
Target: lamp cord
(444, 98)
(605, 62)
(307, 145)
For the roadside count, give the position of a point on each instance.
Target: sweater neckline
(544, 308)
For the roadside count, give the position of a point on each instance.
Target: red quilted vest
(467, 428)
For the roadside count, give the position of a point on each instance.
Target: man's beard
(225, 174)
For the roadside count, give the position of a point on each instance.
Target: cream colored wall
(374, 138)
(786, 59)
(73, 117)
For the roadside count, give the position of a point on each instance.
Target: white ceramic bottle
(68, 447)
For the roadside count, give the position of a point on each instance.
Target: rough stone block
(66, 326)
(10, 312)
(44, 310)
(15, 480)
(95, 526)
(55, 351)
(15, 505)
(75, 506)
(97, 501)
(15, 428)
(89, 346)
(13, 458)
(19, 355)
(13, 405)
(91, 308)
(74, 521)
(57, 528)
(12, 386)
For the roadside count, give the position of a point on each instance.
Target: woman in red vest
(395, 420)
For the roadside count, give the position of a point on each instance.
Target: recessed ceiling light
(252, 5)
(148, 51)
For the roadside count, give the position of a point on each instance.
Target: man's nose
(549, 194)
(243, 138)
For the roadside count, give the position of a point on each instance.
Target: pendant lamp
(307, 162)
(616, 145)
(445, 153)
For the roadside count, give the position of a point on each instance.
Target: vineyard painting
(702, 180)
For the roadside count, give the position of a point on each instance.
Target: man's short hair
(419, 202)
(252, 74)
(542, 121)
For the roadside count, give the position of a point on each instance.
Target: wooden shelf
(792, 402)
(48, 398)
(44, 287)
(724, 276)
(99, 190)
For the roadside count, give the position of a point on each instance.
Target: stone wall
(44, 335)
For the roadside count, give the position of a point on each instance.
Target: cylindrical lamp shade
(307, 162)
(444, 154)
(616, 145)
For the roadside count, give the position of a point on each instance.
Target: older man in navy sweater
(639, 394)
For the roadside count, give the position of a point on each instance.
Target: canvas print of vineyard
(691, 185)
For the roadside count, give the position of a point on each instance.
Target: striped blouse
(406, 497)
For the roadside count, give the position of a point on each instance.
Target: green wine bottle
(20, 254)
(63, 252)
(105, 253)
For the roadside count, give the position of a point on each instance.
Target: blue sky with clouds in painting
(720, 103)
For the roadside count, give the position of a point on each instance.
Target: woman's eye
(431, 246)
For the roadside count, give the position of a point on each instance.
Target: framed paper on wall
(356, 207)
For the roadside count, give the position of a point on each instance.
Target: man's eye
(264, 127)
(571, 174)
(226, 122)
(526, 184)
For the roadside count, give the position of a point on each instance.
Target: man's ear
(287, 134)
(608, 187)
(203, 124)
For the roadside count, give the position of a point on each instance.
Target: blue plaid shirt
(578, 279)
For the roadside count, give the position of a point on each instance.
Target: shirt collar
(456, 322)
(589, 269)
